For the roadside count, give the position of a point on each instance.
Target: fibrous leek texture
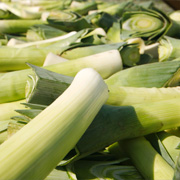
(34, 151)
(13, 83)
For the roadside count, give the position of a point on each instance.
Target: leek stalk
(174, 30)
(124, 96)
(167, 145)
(17, 26)
(78, 52)
(45, 86)
(83, 8)
(117, 9)
(52, 58)
(168, 49)
(129, 53)
(47, 42)
(106, 169)
(7, 110)
(67, 21)
(157, 74)
(36, 158)
(116, 123)
(126, 122)
(149, 24)
(15, 89)
(41, 32)
(16, 58)
(149, 163)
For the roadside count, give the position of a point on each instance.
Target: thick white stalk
(34, 151)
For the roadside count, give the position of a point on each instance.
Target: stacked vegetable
(89, 90)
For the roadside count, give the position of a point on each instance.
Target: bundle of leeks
(89, 90)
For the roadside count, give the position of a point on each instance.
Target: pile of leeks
(89, 90)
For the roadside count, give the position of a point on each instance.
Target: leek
(3, 130)
(44, 4)
(167, 145)
(101, 19)
(97, 36)
(126, 122)
(21, 11)
(41, 32)
(129, 53)
(47, 42)
(15, 88)
(174, 30)
(53, 59)
(18, 26)
(35, 92)
(157, 74)
(113, 33)
(113, 169)
(59, 174)
(117, 9)
(7, 110)
(168, 49)
(175, 15)
(78, 52)
(45, 86)
(67, 21)
(4, 13)
(152, 50)
(124, 96)
(43, 155)
(149, 24)
(145, 158)
(83, 8)
(16, 58)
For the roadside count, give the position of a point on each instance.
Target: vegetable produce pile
(89, 90)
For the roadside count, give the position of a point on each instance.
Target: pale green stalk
(105, 169)
(3, 130)
(175, 15)
(13, 83)
(130, 53)
(157, 74)
(23, 12)
(117, 9)
(168, 49)
(30, 153)
(126, 122)
(7, 110)
(45, 42)
(16, 58)
(13, 42)
(152, 50)
(17, 26)
(45, 86)
(41, 32)
(59, 174)
(52, 58)
(145, 158)
(124, 96)
(174, 30)
(168, 147)
(113, 33)
(139, 42)
(79, 52)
